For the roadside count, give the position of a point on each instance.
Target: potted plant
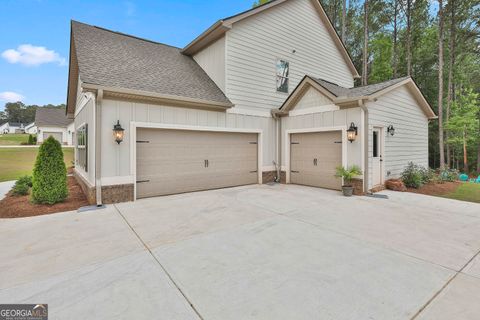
(348, 174)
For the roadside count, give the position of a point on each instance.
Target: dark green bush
(49, 174)
(412, 176)
(30, 139)
(22, 186)
(34, 139)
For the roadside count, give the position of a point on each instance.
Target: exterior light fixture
(352, 132)
(391, 130)
(118, 132)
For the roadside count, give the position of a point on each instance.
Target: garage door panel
(326, 148)
(173, 161)
(57, 135)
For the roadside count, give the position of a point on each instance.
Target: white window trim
(288, 134)
(133, 143)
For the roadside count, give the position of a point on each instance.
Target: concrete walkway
(257, 252)
(5, 187)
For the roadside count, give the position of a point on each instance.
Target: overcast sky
(35, 35)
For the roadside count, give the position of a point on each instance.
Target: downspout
(365, 144)
(98, 147)
(278, 142)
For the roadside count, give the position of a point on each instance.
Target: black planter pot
(347, 191)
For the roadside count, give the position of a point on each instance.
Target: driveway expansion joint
(159, 263)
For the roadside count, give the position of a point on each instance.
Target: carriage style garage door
(176, 161)
(56, 135)
(314, 157)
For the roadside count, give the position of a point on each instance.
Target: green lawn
(13, 139)
(17, 162)
(467, 192)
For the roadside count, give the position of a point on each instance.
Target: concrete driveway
(257, 252)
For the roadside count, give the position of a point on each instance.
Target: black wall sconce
(391, 130)
(352, 132)
(118, 132)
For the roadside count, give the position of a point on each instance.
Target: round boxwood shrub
(49, 183)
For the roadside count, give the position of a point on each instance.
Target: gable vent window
(283, 69)
(82, 147)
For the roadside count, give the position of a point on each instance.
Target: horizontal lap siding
(254, 45)
(410, 142)
(116, 158)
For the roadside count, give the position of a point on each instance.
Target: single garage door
(56, 135)
(176, 161)
(314, 157)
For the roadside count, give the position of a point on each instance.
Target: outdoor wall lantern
(352, 132)
(391, 130)
(118, 132)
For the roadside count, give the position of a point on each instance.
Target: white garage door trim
(148, 125)
(288, 134)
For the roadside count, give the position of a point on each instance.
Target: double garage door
(56, 135)
(176, 161)
(314, 157)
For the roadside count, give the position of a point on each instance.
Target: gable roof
(51, 117)
(341, 95)
(13, 124)
(119, 61)
(219, 28)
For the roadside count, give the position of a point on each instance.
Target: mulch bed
(436, 189)
(20, 206)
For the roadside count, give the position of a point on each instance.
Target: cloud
(29, 55)
(9, 96)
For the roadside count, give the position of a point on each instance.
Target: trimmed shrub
(22, 186)
(412, 176)
(34, 139)
(49, 174)
(30, 139)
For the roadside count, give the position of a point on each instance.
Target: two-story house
(264, 95)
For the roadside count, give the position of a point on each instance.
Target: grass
(467, 192)
(17, 162)
(13, 139)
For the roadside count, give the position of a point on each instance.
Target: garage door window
(82, 147)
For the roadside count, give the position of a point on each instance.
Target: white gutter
(98, 147)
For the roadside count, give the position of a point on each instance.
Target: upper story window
(283, 69)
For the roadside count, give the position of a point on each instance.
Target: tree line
(437, 43)
(22, 113)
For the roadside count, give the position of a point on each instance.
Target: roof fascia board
(215, 32)
(230, 21)
(157, 97)
(300, 91)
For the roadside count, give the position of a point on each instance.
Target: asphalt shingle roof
(51, 117)
(362, 91)
(121, 61)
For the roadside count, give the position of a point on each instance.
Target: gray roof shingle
(51, 117)
(122, 61)
(362, 91)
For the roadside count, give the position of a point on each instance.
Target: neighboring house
(31, 128)
(266, 94)
(53, 122)
(12, 127)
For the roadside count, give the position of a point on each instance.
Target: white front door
(377, 156)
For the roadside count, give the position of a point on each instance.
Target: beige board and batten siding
(175, 161)
(212, 61)
(253, 46)
(410, 142)
(86, 115)
(116, 166)
(325, 120)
